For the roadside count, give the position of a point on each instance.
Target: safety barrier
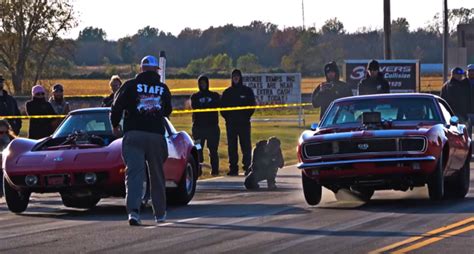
(184, 111)
(175, 90)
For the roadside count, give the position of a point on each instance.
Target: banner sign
(274, 88)
(402, 75)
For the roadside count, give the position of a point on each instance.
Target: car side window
(446, 114)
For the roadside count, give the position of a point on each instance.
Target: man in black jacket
(456, 92)
(330, 90)
(145, 102)
(206, 124)
(237, 122)
(374, 83)
(9, 107)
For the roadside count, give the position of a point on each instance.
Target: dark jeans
(139, 150)
(210, 135)
(235, 133)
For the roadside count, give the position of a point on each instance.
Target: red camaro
(82, 161)
(392, 141)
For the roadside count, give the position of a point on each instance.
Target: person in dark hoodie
(206, 124)
(37, 106)
(144, 102)
(330, 90)
(9, 107)
(374, 83)
(237, 122)
(455, 92)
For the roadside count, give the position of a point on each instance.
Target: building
(466, 40)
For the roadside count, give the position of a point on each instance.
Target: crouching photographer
(267, 159)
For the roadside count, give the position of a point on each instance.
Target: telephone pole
(387, 28)
(445, 40)
(302, 11)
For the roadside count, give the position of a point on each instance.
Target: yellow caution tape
(176, 90)
(184, 111)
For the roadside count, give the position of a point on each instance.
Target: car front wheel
(458, 186)
(312, 190)
(436, 181)
(17, 201)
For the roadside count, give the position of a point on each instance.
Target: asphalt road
(224, 217)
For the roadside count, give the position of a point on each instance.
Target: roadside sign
(274, 88)
(402, 75)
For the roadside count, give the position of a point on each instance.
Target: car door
(174, 164)
(457, 140)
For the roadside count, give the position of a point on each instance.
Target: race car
(82, 161)
(380, 142)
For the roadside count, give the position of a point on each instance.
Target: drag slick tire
(17, 201)
(312, 190)
(86, 202)
(436, 181)
(458, 185)
(183, 194)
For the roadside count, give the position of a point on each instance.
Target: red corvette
(392, 141)
(82, 161)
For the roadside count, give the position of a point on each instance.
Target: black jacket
(9, 107)
(107, 101)
(458, 95)
(145, 101)
(202, 100)
(40, 128)
(373, 86)
(235, 96)
(336, 89)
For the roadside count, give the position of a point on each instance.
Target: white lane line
(210, 179)
(172, 223)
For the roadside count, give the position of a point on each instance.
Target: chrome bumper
(378, 160)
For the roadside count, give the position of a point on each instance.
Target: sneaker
(134, 220)
(160, 219)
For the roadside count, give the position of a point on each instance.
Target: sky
(120, 18)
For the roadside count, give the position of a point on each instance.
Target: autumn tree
(29, 31)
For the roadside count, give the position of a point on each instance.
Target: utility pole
(302, 10)
(445, 40)
(387, 28)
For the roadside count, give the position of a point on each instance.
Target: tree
(92, 34)
(126, 50)
(248, 63)
(400, 25)
(333, 26)
(31, 28)
(148, 32)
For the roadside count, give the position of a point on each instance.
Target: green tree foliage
(333, 26)
(92, 34)
(29, 35)
(248, 63)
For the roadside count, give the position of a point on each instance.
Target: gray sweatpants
(138, 148)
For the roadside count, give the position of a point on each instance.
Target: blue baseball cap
(458, 71)
(470, 67)
(150, 61)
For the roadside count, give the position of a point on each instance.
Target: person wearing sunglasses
(37, 106)
(6, 136)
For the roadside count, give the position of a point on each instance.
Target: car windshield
(91, 123)
(391, 109)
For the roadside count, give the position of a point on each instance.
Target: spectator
(470, 75)
(374, 83)
(60, 106)
(37, 106)
(206, 124)
(114, 83)
(146, 102)
(330, 90)
(6, 136)
(454, 92)
(237, 122)
(9, 107)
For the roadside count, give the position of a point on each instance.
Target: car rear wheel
(86, 202)
(183, 194)
(436, 181)
(458, 187)
(312, 190)
(17, 201)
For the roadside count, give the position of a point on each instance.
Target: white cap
(150, 61)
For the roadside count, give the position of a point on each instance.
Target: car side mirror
(314, 126)
(454, 121)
